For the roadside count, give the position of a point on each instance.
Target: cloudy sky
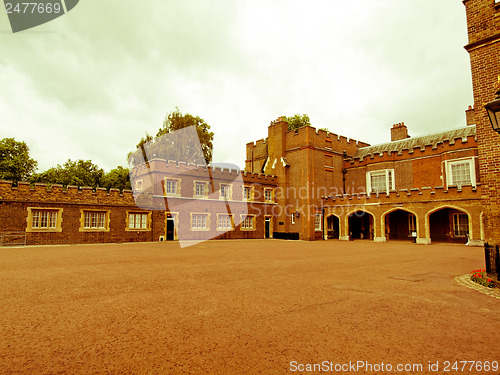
(90, 84)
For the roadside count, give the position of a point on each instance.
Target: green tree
(118, 178)
(297, 121)
(176, 147)
(15, 162)
(79, 173)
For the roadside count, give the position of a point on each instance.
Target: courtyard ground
(243, 307)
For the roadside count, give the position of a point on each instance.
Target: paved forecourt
(242, 307)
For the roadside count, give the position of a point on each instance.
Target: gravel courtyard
(242, 307)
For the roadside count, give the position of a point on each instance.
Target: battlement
(55, 193)
(161, 166)
(407, 195)
(408, 149)
(310, 136)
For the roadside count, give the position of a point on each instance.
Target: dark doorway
(360, 226)
(267, 233)
(400, 225)
(170, 229)
(333, 226)
(449, 225)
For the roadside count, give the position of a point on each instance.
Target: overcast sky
(91, 83)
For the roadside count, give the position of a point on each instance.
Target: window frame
(36, 211)
(457, 225)
(390, 180)
(205, 189)
(318, 227)
(244, 222)
(225, 228)
(271, 191)
(252, 195)
(135, 213)
(83, 214)
(177, 192)
(222, 188)
(472, 171)
(194, 220)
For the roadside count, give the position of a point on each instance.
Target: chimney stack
(399, 131)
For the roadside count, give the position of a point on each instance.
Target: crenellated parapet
(55, 193)
(319, 138)
(423, 194)
(413, 148)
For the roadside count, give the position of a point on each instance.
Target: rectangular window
(317, 222)
(248, 222)
(328, 144)
(381, 181)
(247, 193)
(460, 172)
(224, 222)
(138, 185)
(224, 191)
(200, 189)
(199, 221)
(94, 220)
(44, 219)
(138, 220)
(412, 226)
(293, 217)
(171, 186)
(460, 225)
(268, 195)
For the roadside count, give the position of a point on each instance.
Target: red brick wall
(483, 25)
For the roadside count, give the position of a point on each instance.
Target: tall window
(247, 193)
(94, 220)
(317, 222)
(199, 221)
(137, 220)
(268, 194)
(42, 219)
(171, 186)
(224, 222)
(225, 191)
(460, 225)
(380, 181)
(461, 172)
(200, 189)
(412, 225)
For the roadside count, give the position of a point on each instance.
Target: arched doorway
(360, 225)
(449, 225)
(332, 227)
(400, 225)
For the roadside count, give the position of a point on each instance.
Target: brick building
(421, 189)
(306, 184)
(184, 202)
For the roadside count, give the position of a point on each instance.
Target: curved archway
(400, 224)
(333, 226)
(360, 225)
(449, 224)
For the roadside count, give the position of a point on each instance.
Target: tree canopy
(297, 121)
(79, 173)
(118, 178)
(177, 146)
(15, 162)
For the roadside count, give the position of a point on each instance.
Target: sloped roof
(417, 142)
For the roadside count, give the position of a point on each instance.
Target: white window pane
(131, 218)
(144, 223)
(43, 219)
(36, 219)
